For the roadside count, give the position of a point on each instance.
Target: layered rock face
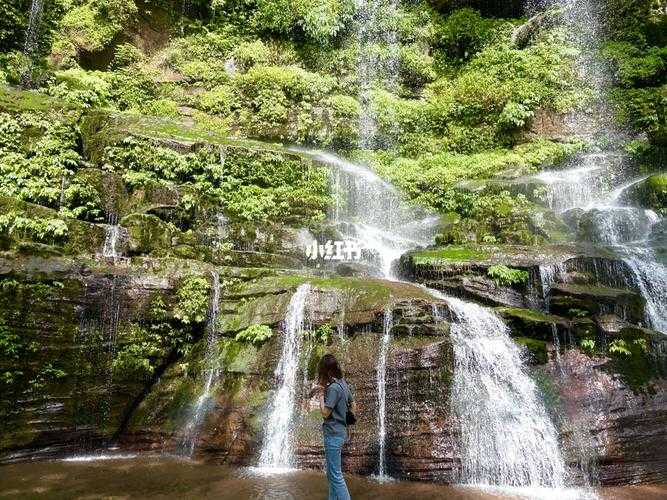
(610, 409)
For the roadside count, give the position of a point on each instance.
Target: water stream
(381, 374)
(32, 32)
(211, 373)
(277, 450)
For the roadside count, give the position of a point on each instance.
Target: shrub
(193, 300)
(464, 33)
(507, 276)
(634, 66)
(126, 55)
(255, 334)
(41, 230)
(90, 27)
(321, 20)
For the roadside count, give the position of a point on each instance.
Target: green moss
(536, 348)
(14, 100)
(450, 253)
(528, 314)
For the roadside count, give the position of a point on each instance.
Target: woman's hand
(316, 390)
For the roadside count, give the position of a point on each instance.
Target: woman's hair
(328, 368)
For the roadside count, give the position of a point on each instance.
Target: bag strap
(346, 391)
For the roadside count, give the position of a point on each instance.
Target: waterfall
(31, 34)
(63, 186)
(596, 182)
(210, 376)
(377, 62)
(381, 373)
(370, 210)
(31, 39)
(505, 435)
(650, 277)
(549, 274)
(277, 452)
(110, 248)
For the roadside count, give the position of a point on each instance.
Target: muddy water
(183, 479)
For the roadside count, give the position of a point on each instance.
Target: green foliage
(269, 98)
(507, 276)
(619, 347)
(13, 349)
(16, 224)
(253, 186)
(89, 27)
(634, 66)
(323, 333)
(143, 346)
(255, 334)
(464, 33)
(627, 347)
(587, 346)
(320, 20)
(577, 313)
(12, 24)
(193, 300)
(36, 152)
(126, 55)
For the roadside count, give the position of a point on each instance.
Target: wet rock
(566, 298)
(610, 324)
(572, 217)
(604, 420)
(533, 324)
(614, 225)
(650, 193)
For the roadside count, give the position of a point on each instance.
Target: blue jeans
(333, 446)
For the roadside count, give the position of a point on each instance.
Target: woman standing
(335, 400)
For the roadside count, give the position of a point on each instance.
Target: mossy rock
(14, 100)
(644, 360)
(529, 323)
(597, 300)
(537, 349)
(148, 233)
(81, 238)
(650, 193)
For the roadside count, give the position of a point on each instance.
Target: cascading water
(211, 374)
(113, 237)
(381, 374)
(505, 435)
(370, 210)
(277, 452)
(110, 248)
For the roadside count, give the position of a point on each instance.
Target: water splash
(381, 375)
(505, 435)
(277, 451)
(211, 374)
(114, 236)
